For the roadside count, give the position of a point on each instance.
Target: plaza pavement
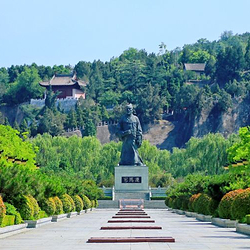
(73, 233)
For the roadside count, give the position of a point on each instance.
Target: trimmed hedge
(42, 214)
(26, 208)
(73, 206)
(241, 205)
(204, 204)
(49, 206)
(86, 202)
(59, 205)
(248, 219)
(167, 201)
(2, 210)
(67, 206)
(36, 207)
(225, 204)
(8, 220)
(96, 203)
(11, 210)
(191, 202)
(78, 203)
(184, 203)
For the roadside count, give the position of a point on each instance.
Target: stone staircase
(152, 204)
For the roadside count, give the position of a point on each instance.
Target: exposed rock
(169, 133)
(71, 133)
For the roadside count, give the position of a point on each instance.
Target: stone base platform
(131, 194)
(154, 204)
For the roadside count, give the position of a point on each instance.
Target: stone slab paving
(73, 233)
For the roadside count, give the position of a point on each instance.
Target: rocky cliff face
(210, 120)
(175, 131)
(225, 123)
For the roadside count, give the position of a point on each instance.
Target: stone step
(131, 227)
(130, 216)
(154, 204)
(131, 221)
(129, 239)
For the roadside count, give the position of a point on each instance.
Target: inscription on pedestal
(131, 179)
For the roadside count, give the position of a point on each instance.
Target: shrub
(191, 202)
(8, 220)
(170, 202)
(36, 207)
(241, 205)
(96, 203)
(225, 204)
(66, 203)
(11, 210)
(18, 218)
(92, 203)
(184, 202)
(73, 206)
(86, 202)
(248, 219)
(204, 204)
(59, 205)
(2, 210)
(49, 206)
(175, 203)
(78, 203)
(42, 214)
(25, 207)
(166, 201)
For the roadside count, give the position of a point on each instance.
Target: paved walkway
(71, 234)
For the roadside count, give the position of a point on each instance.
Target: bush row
(233, 205)
(28, 208)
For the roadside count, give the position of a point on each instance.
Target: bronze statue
(130, 132)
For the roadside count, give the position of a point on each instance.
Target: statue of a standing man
(130, 132)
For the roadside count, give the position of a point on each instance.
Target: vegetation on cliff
(154, 83)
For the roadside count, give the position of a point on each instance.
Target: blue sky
(50, 32)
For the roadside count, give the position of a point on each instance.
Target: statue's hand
(138, 141)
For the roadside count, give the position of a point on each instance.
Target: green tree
(247, 55)
(89, 128)
(25, 87)
(229, 64)
(4, 79)
(199, 56)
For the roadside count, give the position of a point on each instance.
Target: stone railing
(106, 123)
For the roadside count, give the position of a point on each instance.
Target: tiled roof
(195, 66)
(63, 80)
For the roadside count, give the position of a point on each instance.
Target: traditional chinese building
(198, 68)
(68, 86)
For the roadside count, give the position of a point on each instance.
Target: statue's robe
(131, 141)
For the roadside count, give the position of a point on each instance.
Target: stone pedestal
(131, 182)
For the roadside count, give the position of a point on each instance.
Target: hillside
(166, 134)
(173, 131)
